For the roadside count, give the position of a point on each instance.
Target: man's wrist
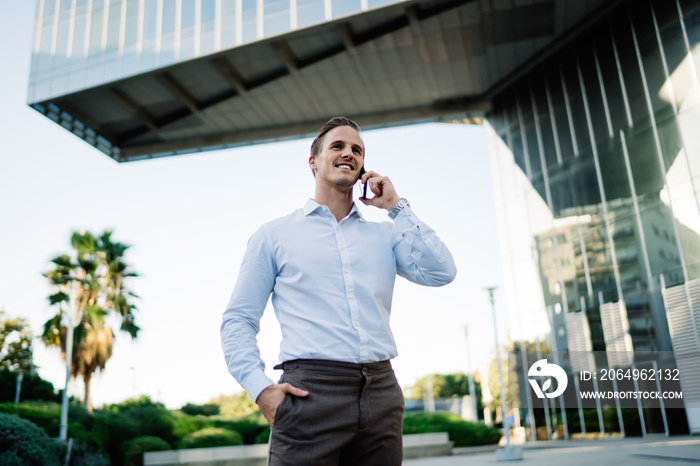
(398, 206)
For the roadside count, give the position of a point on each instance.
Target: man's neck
(340, 202)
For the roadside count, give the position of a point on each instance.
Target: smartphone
(364, 187)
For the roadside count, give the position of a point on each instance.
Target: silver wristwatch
(397, 207)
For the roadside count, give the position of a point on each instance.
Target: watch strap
(403, 202)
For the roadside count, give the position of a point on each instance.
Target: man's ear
(312, 162)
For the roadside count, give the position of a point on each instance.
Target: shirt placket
(346, 265)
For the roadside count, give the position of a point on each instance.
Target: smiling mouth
(344, 166)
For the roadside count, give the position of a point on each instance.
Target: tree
(237, 406)
(96, 273)
(444, 386)
(15, 343)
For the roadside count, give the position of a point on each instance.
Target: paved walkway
(652, 451)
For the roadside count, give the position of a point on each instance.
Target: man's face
(340, 160)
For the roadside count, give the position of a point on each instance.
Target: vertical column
(659, 152)
(178, 29)
(217, 25)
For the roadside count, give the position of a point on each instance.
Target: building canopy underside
(406, 62)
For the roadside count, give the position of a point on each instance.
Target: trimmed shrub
(264, 436)
(150, 418)
(462, 433)
(249, 427)
(211, 437)
(135, 448)
(23, 443)
(45, 415)
(185, 424)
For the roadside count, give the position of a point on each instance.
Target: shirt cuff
(256, 383)
(406, 219)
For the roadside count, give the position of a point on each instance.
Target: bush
(211, 437)
(45, 415)
(82, 455)
(209, 409)
(149, 417)
(185, 424)
(462, 433)
(249, 427)
(33, 387)
(23, 443)
(135, 448)
(264, 436)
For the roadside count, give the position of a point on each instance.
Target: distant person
(331, 274)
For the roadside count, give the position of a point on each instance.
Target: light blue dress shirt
(331, 284)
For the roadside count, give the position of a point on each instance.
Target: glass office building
(83, 43)
(596, 165)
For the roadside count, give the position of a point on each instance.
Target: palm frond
(58, 297)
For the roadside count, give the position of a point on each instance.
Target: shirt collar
(312, 206)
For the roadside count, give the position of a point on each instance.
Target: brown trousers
(352, 416)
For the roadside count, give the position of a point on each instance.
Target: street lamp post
(509, 453)
(472, 387)
(72, 312)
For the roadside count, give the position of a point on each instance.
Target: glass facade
(596, 156)
(84, 43)
(596, 166)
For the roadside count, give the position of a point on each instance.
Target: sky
(188, 219)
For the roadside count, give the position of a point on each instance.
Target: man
(331, 275)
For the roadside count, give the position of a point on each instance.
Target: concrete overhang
(407, 62)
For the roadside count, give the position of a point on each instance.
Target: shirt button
(347, 271)
(352, 296)
(356, 323)
(363, 348)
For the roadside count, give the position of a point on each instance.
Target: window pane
(309, 12)
(150, 19)
(559, 114)
(250, 25)
(188, 15)
(276, 19)
(622, 33)
(208, 15)
(169, 16)
(96, 29)
(132, 22)
(113, 24)
(345, 7)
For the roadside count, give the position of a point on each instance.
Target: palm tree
(96, 270)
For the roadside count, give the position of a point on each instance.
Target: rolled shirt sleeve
(421, 256)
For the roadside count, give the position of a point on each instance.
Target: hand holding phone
(385, 195)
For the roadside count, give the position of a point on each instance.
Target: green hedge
(23, 443)
(249, 427)
(134, 449)
(45, 415)
(462, 433)
(211, 437)
(264, 436)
